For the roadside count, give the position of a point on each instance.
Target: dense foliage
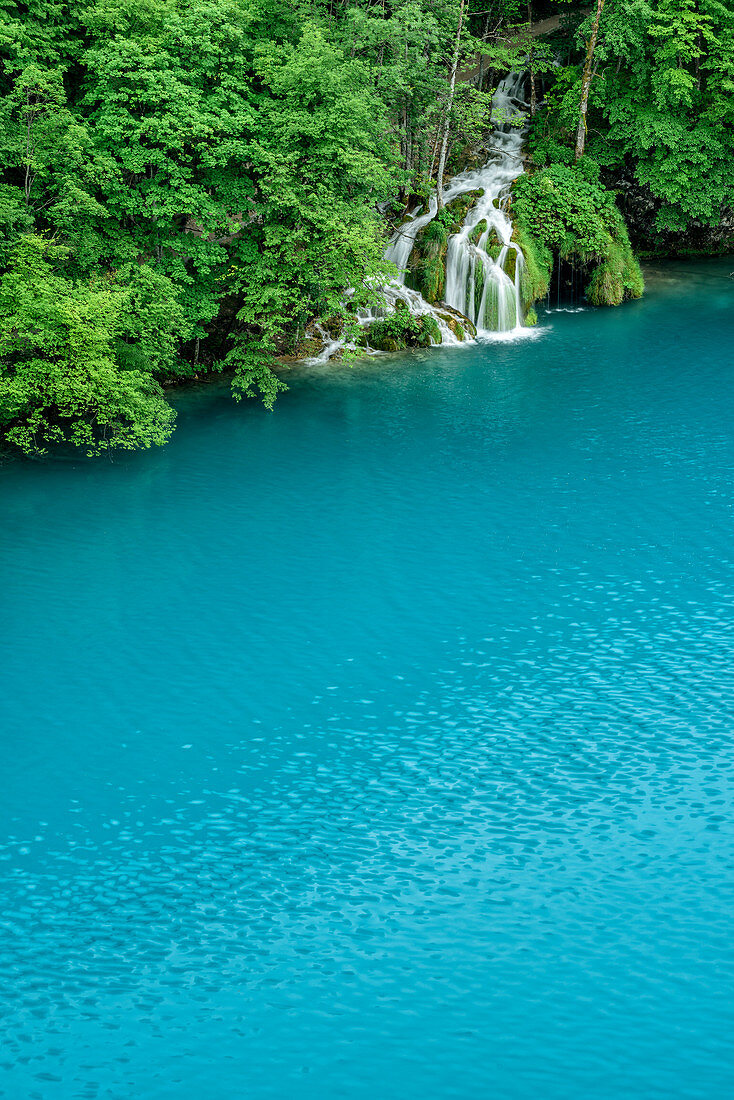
(402, 329)
(563, 211)
(661, 104)
(186, 186)
(203, 178)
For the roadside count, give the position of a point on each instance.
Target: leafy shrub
(563, 210)
(403, 329)
(66, 373)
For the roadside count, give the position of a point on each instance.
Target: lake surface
(381, 747)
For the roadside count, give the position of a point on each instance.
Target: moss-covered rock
(427, 262)
(491, 319)
(454, 212)
(334, 326)
(457, 322)
(401, 330)
(537, 268)
(479, 276)
(478, 231)
(615, 279)
(307, 348)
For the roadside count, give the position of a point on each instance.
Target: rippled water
(382, 747)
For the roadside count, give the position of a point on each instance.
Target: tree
(449, 103)
(586, 79)
(60, 378)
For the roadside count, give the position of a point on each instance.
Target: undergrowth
(563, 210)
(402, 329)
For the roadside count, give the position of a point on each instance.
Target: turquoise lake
(382, 746)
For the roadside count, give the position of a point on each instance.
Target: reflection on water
(383, 745)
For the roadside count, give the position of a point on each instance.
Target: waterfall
(478, 282)
(398, 252)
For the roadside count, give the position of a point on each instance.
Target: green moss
(308, 347)
(427, 262)
(493, 244)
(479, 229)
(431, 328)
(531, 317)
(491, 318)
(334, 326)
(454, 213)
(426, 266)
(616, 278)
(564, 211)
(479, 276)
(493, 239)
(538, 266)
(458, 323)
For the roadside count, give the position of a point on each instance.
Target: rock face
(640, 208)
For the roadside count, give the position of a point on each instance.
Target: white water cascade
(477, 280)
(477, 283)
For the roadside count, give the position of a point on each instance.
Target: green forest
(186, 187)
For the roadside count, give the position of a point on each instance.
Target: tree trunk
(28, 183)
(449, 104)
(586, 81)
(531, 63)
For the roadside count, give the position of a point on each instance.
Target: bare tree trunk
(434, 152)
(531, 63)
(586, 81)
(485, 34)
(449, 104)
(28, 183)
(379, 65)
(409, 153)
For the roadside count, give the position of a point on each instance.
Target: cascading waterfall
(478, 283)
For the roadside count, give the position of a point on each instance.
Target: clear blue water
(382, 747)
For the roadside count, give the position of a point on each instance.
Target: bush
(401, 330)
(66, 373)
(564, 210)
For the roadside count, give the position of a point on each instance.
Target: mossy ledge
(403, 329)
(564, 211)
(427, 263)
